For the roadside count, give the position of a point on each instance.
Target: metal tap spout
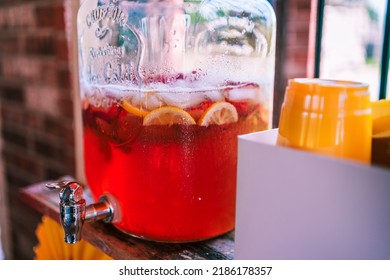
(74, 212)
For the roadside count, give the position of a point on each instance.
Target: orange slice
(133, 110)
(219, 113)
(168, 115)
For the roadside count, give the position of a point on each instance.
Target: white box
(297, 205)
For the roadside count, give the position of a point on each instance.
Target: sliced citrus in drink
(168, 115)
(139, 112)
(219, 113)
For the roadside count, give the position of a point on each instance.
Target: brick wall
(295, 45)
(298, 34)
(36, 106)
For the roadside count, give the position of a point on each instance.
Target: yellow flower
(51, 245)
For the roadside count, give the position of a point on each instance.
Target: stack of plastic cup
(328, 117)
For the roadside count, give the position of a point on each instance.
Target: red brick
(52, 173)
(294, 69)
(65, 105)
(297, 39)
(43, 99)
(22, 162)
(61, 48)
(303, 4)
(293, 40)
(13, 115)
(41, 43)
(22, 118)
(20, 67)
(12, 93)
(70, 137)
(297, 26)
(58, 128)
(36, 70)
(10, 43)
(59, 17)
(48, 73)
(14, 137)
(34, 120)
(49, 149)
(15, 181)
(64, 79)
(17, 16)
(70, 164)
(298, 14)
(297, 55)
(51, 15)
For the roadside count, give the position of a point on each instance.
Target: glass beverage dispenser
(166, 88)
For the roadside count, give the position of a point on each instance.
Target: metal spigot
(74, 212)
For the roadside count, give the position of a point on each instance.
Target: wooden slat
(121, 246)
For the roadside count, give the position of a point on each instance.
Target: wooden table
(121, 246)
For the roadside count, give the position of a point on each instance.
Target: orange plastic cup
(329, 117)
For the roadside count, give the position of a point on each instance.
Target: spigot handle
(71, 191)
(58, 184)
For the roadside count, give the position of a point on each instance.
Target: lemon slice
(133, 110)
(380, 117)
(219, 113)
(383, 134)
(380, 124)
(168, 115)
(380, 108)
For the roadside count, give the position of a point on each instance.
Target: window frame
(384, 64)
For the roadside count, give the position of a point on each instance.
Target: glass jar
(166, 87)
